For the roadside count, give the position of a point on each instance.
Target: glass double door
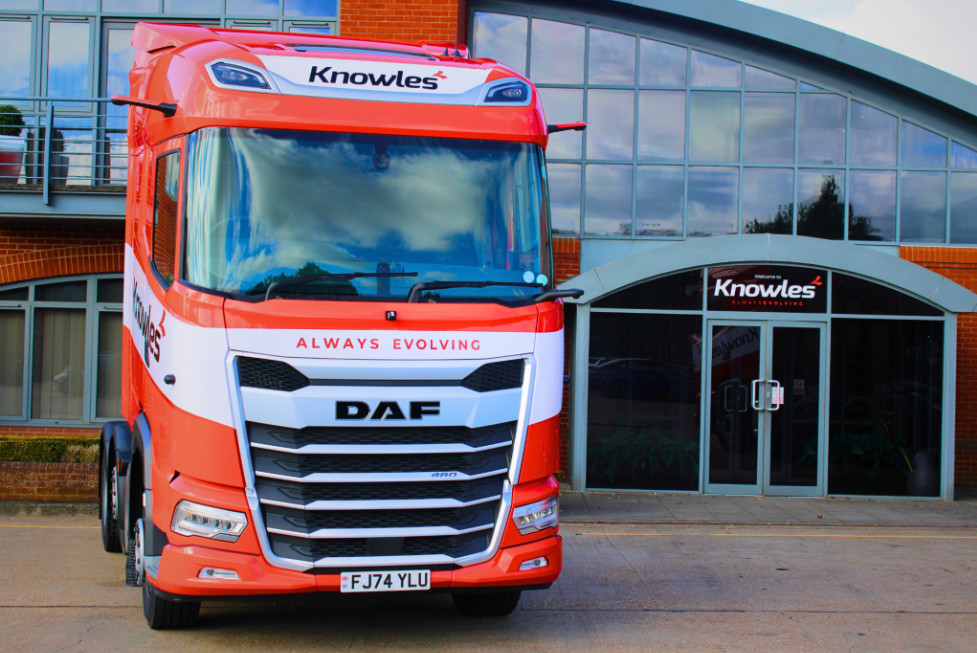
(764, 429)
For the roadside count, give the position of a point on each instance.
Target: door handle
(756, 395)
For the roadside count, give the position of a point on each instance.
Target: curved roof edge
(780, 249)
(846, 49)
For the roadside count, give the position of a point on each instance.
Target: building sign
(767, 288)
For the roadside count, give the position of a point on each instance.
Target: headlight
(537, 516)
(191, 518)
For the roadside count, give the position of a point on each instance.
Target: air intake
(269, 375)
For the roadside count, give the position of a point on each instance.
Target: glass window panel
(192, 6)
(873, 136)
(822, 129)
(108, 390)
(643, 424)
(501, 37)
(165, 215)
(712, 201)
(964, 157)
(853, 295)
(768, 201)
(557, 53)
(252, 7)
(70, 5)
(322, 8)
(963, 207)
(661, 125)
(15, 65)
(12, 369)
(67, 63)
(68, 291)
(130, 6)
(120, 57)
(610, 58)
(922, 148)
(821, 203)
(662, 64)
(610, 124)
(757, 78)
(18, 4)
(872, 205)
(715, 72)
(715, 129)
(563, 105)
(659, 203)
(564, 187)
(607, 205)
(885, 407)
(676, 292)
(58, 377)
(805, 86)
(922, 207)
(109, 291)
(768, 126)
(14, 294)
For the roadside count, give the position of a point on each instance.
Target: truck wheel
(487, 604)
(160, 613)
(109, 504)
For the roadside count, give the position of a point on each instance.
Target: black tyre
(108, 506)
(487, 604)
(163, 614)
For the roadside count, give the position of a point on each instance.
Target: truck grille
(330, 495)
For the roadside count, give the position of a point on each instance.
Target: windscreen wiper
(324, 276)
(418, 288)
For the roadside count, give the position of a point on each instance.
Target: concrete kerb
(675, 509)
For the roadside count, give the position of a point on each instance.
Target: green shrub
(49, 450)
(11, 121)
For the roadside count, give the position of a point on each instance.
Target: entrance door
(764, 432)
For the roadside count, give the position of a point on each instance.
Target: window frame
(93, 310)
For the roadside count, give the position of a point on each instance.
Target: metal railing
(65, 144)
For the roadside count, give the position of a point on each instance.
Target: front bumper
(180, 567)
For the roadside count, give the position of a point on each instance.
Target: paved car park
(699, 575)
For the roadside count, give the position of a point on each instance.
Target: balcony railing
(65, 145)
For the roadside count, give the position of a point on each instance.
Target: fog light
(206, 521)
(537, 516)
(535, 563)
(213, 573)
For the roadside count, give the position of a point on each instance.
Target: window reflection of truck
(343, 354)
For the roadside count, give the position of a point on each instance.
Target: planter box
(11, 158)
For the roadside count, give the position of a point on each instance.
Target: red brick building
(729, 149)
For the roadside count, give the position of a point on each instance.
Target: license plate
(403, 580)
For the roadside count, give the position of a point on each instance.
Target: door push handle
(771, 390)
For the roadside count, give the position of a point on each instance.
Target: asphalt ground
(677, 586)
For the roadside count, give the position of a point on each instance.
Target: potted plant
(12, 144)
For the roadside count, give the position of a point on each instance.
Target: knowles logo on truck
(378, 76)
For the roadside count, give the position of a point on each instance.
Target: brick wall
(34, 250)
(67, 482)
(566, 265)
(428, 20)
(960, 265)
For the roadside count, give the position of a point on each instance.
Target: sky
(937, 32)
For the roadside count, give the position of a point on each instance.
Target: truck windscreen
(346, 216)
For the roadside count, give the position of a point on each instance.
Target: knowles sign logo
(364, 75)
(756, 288)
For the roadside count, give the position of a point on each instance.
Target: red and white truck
(343, 351)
